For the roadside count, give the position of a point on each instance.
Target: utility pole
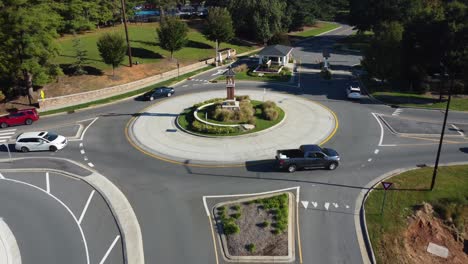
(434, 174)
(216, 57)
(126, 33)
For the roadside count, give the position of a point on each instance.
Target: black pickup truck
(307, 156)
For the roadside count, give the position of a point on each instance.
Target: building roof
(275, 50)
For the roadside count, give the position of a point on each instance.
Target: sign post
(386, 186)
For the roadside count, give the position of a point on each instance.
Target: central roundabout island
(259, 123)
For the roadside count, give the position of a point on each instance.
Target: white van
(39, 141)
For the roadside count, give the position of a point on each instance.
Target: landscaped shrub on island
(269, 111)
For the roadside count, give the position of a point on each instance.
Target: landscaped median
(257, 229)
(413, 217)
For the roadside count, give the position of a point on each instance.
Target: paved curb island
(9, 250)
(155, 131)
(119, 205)
(362, 234)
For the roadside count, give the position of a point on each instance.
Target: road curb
(9, 250)
(120, 207)
(362, 233)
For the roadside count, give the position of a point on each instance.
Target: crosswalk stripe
(6, 133)
(2, 140)
(6, 137)
(8, 130)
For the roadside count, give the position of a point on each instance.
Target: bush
(246, 111)
(250, 247)
(268, 104)
(2, 96)
(235, 207)
(236, 215)
(229, 228)
(241, 68)
(265, 224)
(280, 38)
(208, 101)
(203, 128)
(270, 114)
(252, 120)
(222, 114)
(276, 231)
(242, 97)
(221, 208)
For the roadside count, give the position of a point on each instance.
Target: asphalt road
(167, 198)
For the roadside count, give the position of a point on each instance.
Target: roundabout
(155, 130)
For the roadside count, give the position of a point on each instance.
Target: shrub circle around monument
(216, 120)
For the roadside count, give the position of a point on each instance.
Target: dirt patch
(423, 228)
(257, 226)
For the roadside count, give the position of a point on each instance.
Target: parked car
(353, 91)
(307, 156)
(37, 141)
(158, 92)
(20, 117)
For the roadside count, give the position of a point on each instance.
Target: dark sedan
(158, 92)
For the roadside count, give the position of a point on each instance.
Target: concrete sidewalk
(155, 131)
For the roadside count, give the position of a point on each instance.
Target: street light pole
(434, 174)
(122, 2)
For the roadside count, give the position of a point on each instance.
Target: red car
(20, 117)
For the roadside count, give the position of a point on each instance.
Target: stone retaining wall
(86, 97)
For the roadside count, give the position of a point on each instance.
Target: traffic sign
(386, 185)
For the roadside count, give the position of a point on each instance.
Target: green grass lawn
(145, 47)
(385, 94)
(323, 27)
(416, 100)
(410, 190)
(186, 117)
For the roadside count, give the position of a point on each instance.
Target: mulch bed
(253, 232)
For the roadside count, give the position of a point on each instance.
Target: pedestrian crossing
(397, 112)
(6, 134)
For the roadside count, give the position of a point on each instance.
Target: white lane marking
(315, 204)
(347, 206)
(218, 72)
(82, 151)
(81, 145)
(2, 140)
(185, 85)
(305, 204)
(246, 194)
(86, 129)
(376, 151)
(85, 158)
(458, 130)
(397, 112)
(335, 205)
(66, 207)
(7, 133)
(5, 137)
(327, 205)
(109, 250)
(8, 130)
(86, 207)
(90, 164)
(1, 176)
(381, 132)
(369, 160)
(47, 182)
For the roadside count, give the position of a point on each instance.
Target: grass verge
(385, 94)
(358, 42)
(409, 190)
(125, 95)
(322, 27)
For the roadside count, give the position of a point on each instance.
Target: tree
(81, 56)
(219, 25)
(112, 49)
(172, 34)
(27, 33)
(382, 58)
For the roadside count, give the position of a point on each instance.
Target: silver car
(39, 141)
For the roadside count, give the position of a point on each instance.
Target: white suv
(37, 141)
(353, 91)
